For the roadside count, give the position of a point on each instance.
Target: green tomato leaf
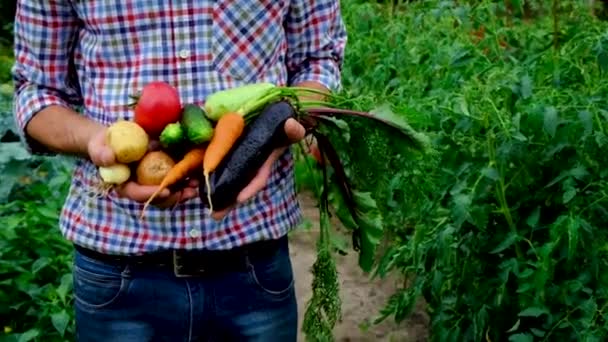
(569, 195)
(491, 173)
(586, 119)
(506, 243)
(533, 311)
(40, 263)
(602, 61)
(551, 121)
(573, 235)
(60, 321)
(538, 332)
(13, 151)
(65, 286)
(515, 326)
(29, 335)
(532, 220)
(526, 87)
(525, 337)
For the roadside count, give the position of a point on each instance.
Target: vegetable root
(227, 132)
(191, 161)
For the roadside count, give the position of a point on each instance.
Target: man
(178, 274)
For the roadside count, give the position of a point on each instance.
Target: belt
(193, 263)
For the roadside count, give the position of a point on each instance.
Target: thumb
(100, 153)
(294, 130)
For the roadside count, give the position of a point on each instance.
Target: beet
(239, 167)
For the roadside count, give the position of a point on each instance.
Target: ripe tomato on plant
(156, 106)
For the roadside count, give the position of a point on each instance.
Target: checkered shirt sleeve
(316, 40)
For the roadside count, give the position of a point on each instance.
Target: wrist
(63, 130)
(84, 138)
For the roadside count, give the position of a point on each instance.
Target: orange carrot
(190, 162)
(226, 133)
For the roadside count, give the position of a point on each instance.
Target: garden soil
(361, 298)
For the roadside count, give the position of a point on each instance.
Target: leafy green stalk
(324, 308)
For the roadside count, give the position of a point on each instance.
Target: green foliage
(501, 230)
(7, 16)
(35, 260)
(6, 63)
(36, 278)
(324, 308)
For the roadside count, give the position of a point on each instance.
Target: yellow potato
(115, 174)
(128, 140)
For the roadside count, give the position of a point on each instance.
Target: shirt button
(195, 233)
(183, 54)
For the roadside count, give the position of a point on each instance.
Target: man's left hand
(295, 132)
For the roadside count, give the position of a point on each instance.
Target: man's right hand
(102, 155)
(99, 151)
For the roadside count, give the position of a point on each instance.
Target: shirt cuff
(29, 102)
(323, 71)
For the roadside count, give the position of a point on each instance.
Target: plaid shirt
(93, 54)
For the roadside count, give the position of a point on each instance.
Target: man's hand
(65, 131)
(295, 132)
(102, 155)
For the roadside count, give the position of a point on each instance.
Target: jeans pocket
(274, 275)
(97, 285)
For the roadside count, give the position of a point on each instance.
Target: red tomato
(157, 106)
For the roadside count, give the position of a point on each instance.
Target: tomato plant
(500, 232)
(501, 229)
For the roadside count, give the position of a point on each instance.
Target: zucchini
(239, 167)
(234, 99)
(197, 127)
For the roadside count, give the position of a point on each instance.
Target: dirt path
(361, 298)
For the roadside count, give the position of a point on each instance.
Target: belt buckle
(182, 271)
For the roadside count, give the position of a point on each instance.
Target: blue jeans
(136, 303)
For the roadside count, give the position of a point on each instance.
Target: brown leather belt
(193, 263)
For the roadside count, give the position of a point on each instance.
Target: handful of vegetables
(229, 138)
(181, 131)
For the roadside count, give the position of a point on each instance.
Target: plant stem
(554, 11)
(500, 190)
(250, 108)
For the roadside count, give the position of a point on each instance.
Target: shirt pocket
(248, 37)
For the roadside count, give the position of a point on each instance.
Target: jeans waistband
(193, 262)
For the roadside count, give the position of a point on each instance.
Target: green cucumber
(172, 135)
(197, 127)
